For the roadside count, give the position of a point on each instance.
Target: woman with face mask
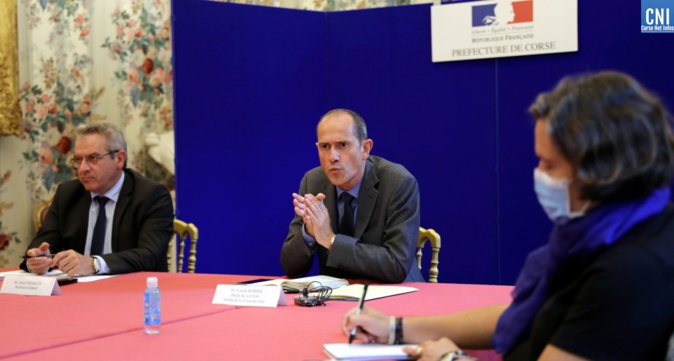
(602, 288)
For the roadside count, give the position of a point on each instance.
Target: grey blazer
(141, 230)
(387, 228)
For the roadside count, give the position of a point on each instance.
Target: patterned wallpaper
(83, 61)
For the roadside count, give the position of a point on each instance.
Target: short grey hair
(616, 134)
(112, 133)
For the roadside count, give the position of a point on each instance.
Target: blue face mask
(553, 195)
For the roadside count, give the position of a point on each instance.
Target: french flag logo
(503, 13)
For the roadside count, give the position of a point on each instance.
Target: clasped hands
(316, 217)
(374, 326)
(70, 262)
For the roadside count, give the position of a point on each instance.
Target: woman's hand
(432, 350)
(373, 326)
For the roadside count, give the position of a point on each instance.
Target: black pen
(39, 255)
(360, 309)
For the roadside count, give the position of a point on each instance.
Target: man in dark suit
(359, 213)
(110, 220)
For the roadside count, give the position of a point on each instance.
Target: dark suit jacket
(387, 228)
(141, 230)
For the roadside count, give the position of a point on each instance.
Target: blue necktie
(346, 226)
(98, 239)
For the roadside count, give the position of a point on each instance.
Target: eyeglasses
(91, 159)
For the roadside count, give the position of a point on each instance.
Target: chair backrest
(41, 209)
(670, 350)
(182, 231)
(434, 239)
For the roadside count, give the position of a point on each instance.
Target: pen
(40, 255)
(360, 309)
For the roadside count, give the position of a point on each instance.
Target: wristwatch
(97, 265)
(456, 355)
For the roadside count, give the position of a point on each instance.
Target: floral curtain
(85, 61)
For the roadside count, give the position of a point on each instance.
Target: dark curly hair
(616, 134)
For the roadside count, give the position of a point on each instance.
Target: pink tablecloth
(103, 320)
(289, 333)
(87, 311)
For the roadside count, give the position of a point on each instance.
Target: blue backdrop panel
(250, 83)
(609, 38)
(436, 119)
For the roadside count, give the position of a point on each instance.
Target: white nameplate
(30, 285)
(248, 295)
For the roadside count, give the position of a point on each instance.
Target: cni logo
(656, 16)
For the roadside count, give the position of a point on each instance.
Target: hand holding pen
(372, 325)
(360, 310)
(39, 260)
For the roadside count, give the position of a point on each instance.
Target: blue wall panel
(251, 83)
(436, 119)
(609, 38)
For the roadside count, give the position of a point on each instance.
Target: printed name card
(30, 285)
(249, 295)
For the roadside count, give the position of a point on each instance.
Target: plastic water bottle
(152, 307)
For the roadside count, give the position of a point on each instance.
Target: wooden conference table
(103, 320)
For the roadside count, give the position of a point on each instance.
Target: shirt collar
(112, 193)
(354, 191)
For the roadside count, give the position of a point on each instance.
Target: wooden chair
(434, 239)
(41, 209)
(182, 231)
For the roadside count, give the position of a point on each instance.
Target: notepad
(355, 292)
(296, 285)
(366, 351)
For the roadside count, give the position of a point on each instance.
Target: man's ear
(121, 159)
(367, 148)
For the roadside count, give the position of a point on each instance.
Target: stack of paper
(366, 351)
(355, 292)
(59, 275)
(53, 273)
(296, 285)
